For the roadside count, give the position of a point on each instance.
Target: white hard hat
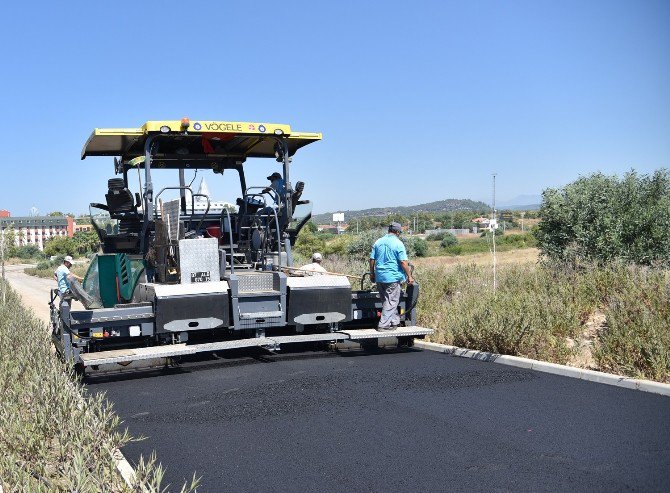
(68, 259)
(317, 257)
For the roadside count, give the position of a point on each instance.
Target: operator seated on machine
(277, 184)
(64, 277)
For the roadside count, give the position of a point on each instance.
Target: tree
(60, 245)
(604, 218)
(28, 252)
(55, 214)
(8, 238)
(308, 243)
(86, 242)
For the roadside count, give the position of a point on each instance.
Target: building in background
(82, 227)
(4, 213)
(36, 230)
(200, 203)
(329, 228)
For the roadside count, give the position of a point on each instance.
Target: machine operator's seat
(121, 205)
(119, 199)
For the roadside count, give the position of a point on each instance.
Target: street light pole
(493, 231)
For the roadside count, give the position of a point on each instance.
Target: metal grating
(251, 323)
(256, 282)
(199, 260)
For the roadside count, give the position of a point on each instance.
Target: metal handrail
(274, 195)
(193, 195)
(173, 188)
(274, 212)
(230, 237)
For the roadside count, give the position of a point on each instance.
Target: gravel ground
(33, 290)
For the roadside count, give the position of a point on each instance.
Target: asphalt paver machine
(189, 275)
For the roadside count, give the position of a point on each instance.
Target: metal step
(414, 331)
(252, 315)
(147, 353)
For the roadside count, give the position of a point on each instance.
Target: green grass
(637, 339)
(504, 243)
(53, 435)
(538, 308)
(535, 309)
(527, 315)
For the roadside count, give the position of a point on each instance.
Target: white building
(36, 230)
(200, 203)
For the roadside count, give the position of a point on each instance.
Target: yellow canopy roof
(215, 138)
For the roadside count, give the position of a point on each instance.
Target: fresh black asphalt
(403, 421)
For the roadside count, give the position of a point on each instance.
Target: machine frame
(249, 301)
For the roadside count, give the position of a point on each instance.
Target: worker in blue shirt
(64, 277)
(388, 268)
(277, 184)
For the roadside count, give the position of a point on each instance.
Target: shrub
(448, 240)
(529, 315)
(437, 236)
(53, 437)
(636, 340)
(416, 247)
(337, 245)
(27, 252)
(361, 245)
(46, 268)
(604, 218)
(308, 243)
(487, 234)
(537, 308)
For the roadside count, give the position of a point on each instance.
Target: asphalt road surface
(406, 421)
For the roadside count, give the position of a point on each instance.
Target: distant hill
(448, 205)
(529, 207)
(521, 203)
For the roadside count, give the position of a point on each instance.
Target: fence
(453, 231)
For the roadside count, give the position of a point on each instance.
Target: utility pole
(493, 230)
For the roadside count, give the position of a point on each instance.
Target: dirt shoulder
(34, 291)
(521, 256)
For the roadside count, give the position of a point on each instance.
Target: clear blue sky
(417, 101)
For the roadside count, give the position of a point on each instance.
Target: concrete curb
(120, 462)
(563, 370)
(123, 466)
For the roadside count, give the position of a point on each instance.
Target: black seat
(121, 205)
(120, 201)
(297, 193)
